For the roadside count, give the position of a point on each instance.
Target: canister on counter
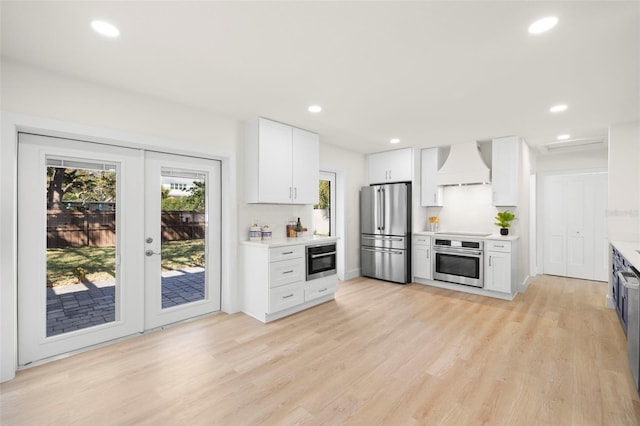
(255, 233)
(266, 232)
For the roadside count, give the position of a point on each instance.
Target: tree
(194, 202)
(324, 201)
(79, 185)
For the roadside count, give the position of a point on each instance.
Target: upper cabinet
(391, 166)
(505, 170)
(282, 163)
(431, 194)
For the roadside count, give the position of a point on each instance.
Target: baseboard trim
(525, 284)
(352, 274)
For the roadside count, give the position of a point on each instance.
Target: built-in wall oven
(459, 261)
(321, 260)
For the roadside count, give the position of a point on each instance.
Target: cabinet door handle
(287, 252)
(287, 272)
(495, 245)
(295, 192)
(389, 174)
(287, 296)
(489, 260)
(322, 291)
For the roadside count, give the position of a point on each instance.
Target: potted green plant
(503, 220)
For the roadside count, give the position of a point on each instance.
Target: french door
(106, 248)
(182, 242)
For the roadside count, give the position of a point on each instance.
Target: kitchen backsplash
(274, 215)
(467, 208)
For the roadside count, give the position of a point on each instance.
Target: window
(324, 222)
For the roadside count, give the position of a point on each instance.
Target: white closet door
(574, 225)
(555, 232)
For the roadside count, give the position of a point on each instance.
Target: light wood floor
(380, 354)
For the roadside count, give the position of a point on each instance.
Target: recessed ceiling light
(315, 108)
(104, 28)
(394, 140)
(558, 108)
(563, 137)
(543, 25)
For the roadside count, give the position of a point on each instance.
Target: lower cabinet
(498, 266)
(274, 285)
(421, 265)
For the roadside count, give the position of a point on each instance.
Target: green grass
(99, 262)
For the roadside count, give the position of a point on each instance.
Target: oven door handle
(459, 252)
(315, 256)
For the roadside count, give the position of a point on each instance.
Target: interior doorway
(99, 255)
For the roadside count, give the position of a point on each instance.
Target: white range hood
(463, 166)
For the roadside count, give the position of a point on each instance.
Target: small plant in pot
(503, 220)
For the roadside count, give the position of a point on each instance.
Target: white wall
(39, 100)
(623, 217)
(592, 159)
(351, 168)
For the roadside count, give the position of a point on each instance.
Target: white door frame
(10, 125)
(340, 223)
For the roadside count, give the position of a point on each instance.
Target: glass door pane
(81, 244)
(183, 232)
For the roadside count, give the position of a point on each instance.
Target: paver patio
(83, 305)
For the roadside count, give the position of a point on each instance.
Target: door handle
(489, 260)
(150, 253)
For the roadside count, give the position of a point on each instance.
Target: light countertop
(474, 237)
(283, 242)
(629, 249)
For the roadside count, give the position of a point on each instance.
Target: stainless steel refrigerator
(385, 232)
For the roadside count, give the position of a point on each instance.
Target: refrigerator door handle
(378, 210)
(381, 250)
(382, 209)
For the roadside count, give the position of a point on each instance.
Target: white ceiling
(429, 73)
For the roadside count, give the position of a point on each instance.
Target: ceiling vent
(575, 145)
(463, 166)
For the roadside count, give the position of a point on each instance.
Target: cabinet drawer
(501, 246)
(286, 296)
(285, 272)
(321, 288)
(421, 240)
(284, 253)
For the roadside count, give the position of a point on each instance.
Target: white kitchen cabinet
(274, 282)
(391, 166)
(498, 266)
(505, 170)
(431, 194)
(422, 257)
(282, 163)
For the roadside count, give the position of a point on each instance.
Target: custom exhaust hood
(463, 166)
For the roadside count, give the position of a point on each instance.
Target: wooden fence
(66, 228)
